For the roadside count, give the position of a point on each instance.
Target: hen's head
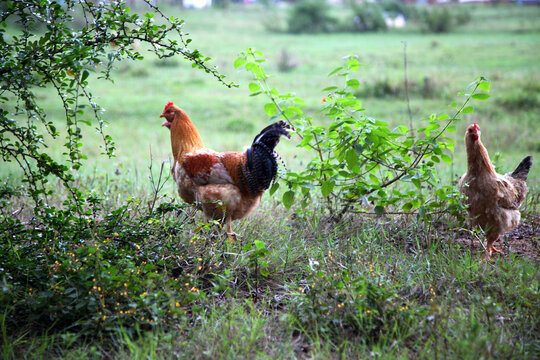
(473, 133)
(169, 113)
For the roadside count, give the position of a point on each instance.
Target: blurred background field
(500, 42)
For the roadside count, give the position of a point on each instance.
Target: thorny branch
(61, 55)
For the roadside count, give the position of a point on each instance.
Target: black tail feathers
(522, 170)
(271, 134)
(261, 166)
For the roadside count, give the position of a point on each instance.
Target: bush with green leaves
(368, 17)
(441, 19)
(437, 19)
(58, 45)
(75, 263)
(394, 8)
(310, 16)
(358, 161)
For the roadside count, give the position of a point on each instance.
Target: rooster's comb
(170, 103)
(476, 126)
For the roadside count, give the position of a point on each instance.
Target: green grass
(331, 291)
(135, 283)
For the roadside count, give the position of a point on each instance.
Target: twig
(406, 80)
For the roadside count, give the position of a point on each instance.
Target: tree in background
(58, 44)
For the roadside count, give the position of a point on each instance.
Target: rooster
(493, 199)
(225, 186)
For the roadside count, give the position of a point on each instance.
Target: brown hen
(493, 200)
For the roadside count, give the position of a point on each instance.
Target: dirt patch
(524, 240)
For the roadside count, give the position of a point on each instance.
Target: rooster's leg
(495, 250)
(231, 235)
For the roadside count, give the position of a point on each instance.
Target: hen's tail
(522, 170)
(261, 165)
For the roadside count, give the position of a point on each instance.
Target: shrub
(441, 19)
(358, 160)
(107, 32)
(368, 17)
(310, 16)
(394, 8)
(437, 19)
(427, 88)
(520, 101)
(462, 16)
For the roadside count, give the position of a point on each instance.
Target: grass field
(297, 284)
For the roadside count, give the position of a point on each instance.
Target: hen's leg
(490, 248)
(230, 233)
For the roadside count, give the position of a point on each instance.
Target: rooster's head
(169, 112)
(473, 132)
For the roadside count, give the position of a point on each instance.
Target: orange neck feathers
(185, 137)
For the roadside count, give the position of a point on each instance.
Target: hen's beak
(165, 122)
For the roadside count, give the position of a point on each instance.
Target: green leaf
(447, 159)
(259, 244)
(274, 188)
(353, 83)
(264, 272)
(481, 97)
(432, 126)
(407, 207)
(239, 62)
(327, 187)
(484, 85)
(374, 179)
(379, 210)
(335, 71)
(288, 199)
(270, 109)
(351, 158)
(253, 87)
(467, 110)
(353, 64)
(85, 74)
(443, 117)
(330, 88)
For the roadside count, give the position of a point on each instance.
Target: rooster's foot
(495, 250)
(232, 236)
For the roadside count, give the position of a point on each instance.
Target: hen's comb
(476, 126)
(170, 103)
